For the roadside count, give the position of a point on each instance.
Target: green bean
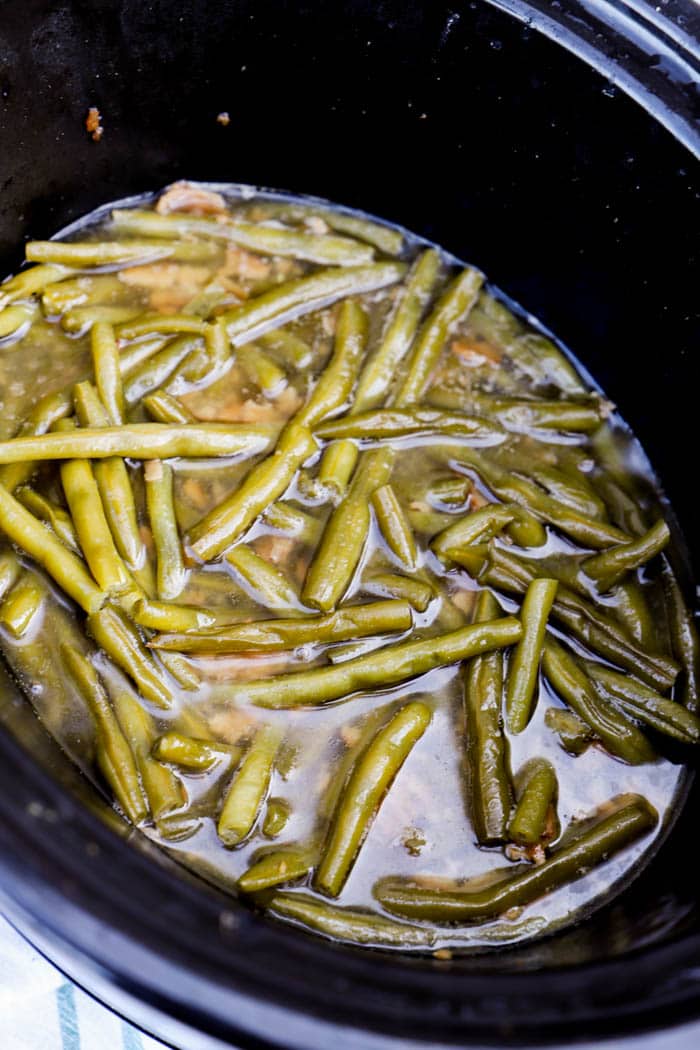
(417, 593)
(294, 298)
(269, 240)
(143, 441)
(135, 354)
(624, 511)
(335, 384)
(571, 861)
(684, 637)
(387, 423)
(10, 570)
(499, 568)
(450, 491)
(379, 372)
(248, 788)
(166, 616)
(171, 574)
(48, 511)
(47, 411)
(344, 537)
(632, 611)
(164, 408)
(157, 368)
(66, 568)
(276, 868)
(286, 518)
(162, 324)
(377, 670)
(571, 488)
(13, 319)
(115, 254)
(277, 815)
(83, 318)
(163, 790)
(269, 584)
(573, 733)
(394, 527)
(537, 792)
(612, 565)
(113, 482)
(454, 303)
(105, 362)
(542, 360)
(519, 414)
(619, 734)
(293, 351)
(346, 924)
(383, 237)
(94, 535)
(369, 781)
(114, 755)
(122, 642)
(479, 526)
(638, 700)
(218, 348)
(524, 667)
(182, 670)
(489, 782)
(22, 606)
(261, 370)
(31, 282)
(197, 756)
(81, 291)
(352, 621)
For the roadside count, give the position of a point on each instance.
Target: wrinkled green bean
(523, 670)
(537, 792)
(612, 565)
(122, 642)
(248, 788)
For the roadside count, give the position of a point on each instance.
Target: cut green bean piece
(21, 609)
(352, 925)
(86, 254)
(105, 362)
(167, 616)
(523, 670)
(163, 790)
(162, 324)
(82, 319)
(369, 781)
(249, 788)
(94, 290)
(261, 370)
(487, 761)
(386, 423)
(571, 861)
(394, 527)
(114, 755)
(452, 491)
(398, 663)
(619, 734)
(10, 571)
(276, 869)
(453, 305)
(612, 565)
(352, 621)
(519, 414)
(13, 319)
(122, 642)
(66, 568)
(48, 511)
(379, 373)
(684, 637)
(416, 592)
(270, 240)
(383, 237)
(277, 815)
(537, 792)
(157, 368)
(543, 361)
(295, 298)
(143, 441)
(31, 281)
(171, 574)
(571, 488)
(164, 408)
(638, 700)
(574, 734)
(182, 670)
(196, 756)
(47, 411)
(479, 526)
(292, 350)
(268, 584)
(286, 518)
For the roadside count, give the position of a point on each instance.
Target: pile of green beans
(313, 476)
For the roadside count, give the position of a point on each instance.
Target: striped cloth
(41, 1010)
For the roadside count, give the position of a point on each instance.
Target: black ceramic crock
(506, 132)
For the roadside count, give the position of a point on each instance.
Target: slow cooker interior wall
(510, 153)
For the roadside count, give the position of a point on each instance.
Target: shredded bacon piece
(183, 196)
(93, 124)
(476, 352)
